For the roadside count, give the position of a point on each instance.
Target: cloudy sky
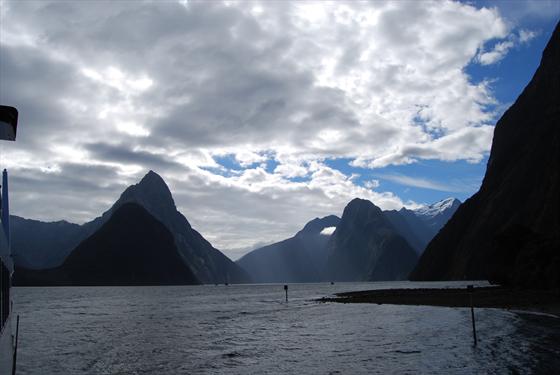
(259, 115)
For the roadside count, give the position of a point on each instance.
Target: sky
(260, 115)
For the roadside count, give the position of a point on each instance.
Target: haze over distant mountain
(298, 259)
(36, 244)
(130, 248)
(366, 246)
(419, 226)
(509, 231)
(303, 258)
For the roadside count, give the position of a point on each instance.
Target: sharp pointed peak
(151, 188)
(152, 176)
(152, 181)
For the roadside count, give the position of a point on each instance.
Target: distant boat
(8, 342)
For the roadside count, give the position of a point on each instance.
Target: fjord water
(250, 329)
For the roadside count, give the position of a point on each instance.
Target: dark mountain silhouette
(38, 244)
(131, 248)
(509, 231)
(365, 246)
(298, 259)
(208, 264)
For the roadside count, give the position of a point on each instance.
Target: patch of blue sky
(270, 165)
(509, 76)
(228, 162)
(426, 181)
(299, 179)
(228, 166)
(435, 133)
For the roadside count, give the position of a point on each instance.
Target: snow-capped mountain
(437, 214)
(438, 207)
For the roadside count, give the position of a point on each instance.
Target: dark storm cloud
(256, 107)
(33, 82)
(68, 190)
(120, 153)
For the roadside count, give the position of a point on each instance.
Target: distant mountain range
(509, 231)
(39, 245)
(366, 244)
(47, 250)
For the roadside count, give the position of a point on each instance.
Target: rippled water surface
(252, 330)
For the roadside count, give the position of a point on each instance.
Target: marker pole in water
(15, 348)
(286, 290)
(470, 288)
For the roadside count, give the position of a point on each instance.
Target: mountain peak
(152, 179)
(357, 201)
(152, 188)
(366, 246)
(358, 206)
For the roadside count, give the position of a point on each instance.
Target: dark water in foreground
(251, 330)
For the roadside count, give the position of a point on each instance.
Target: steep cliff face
(365, 246)
(509, 231)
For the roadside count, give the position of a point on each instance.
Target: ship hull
(6, 347)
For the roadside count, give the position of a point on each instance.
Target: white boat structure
(8, 328)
